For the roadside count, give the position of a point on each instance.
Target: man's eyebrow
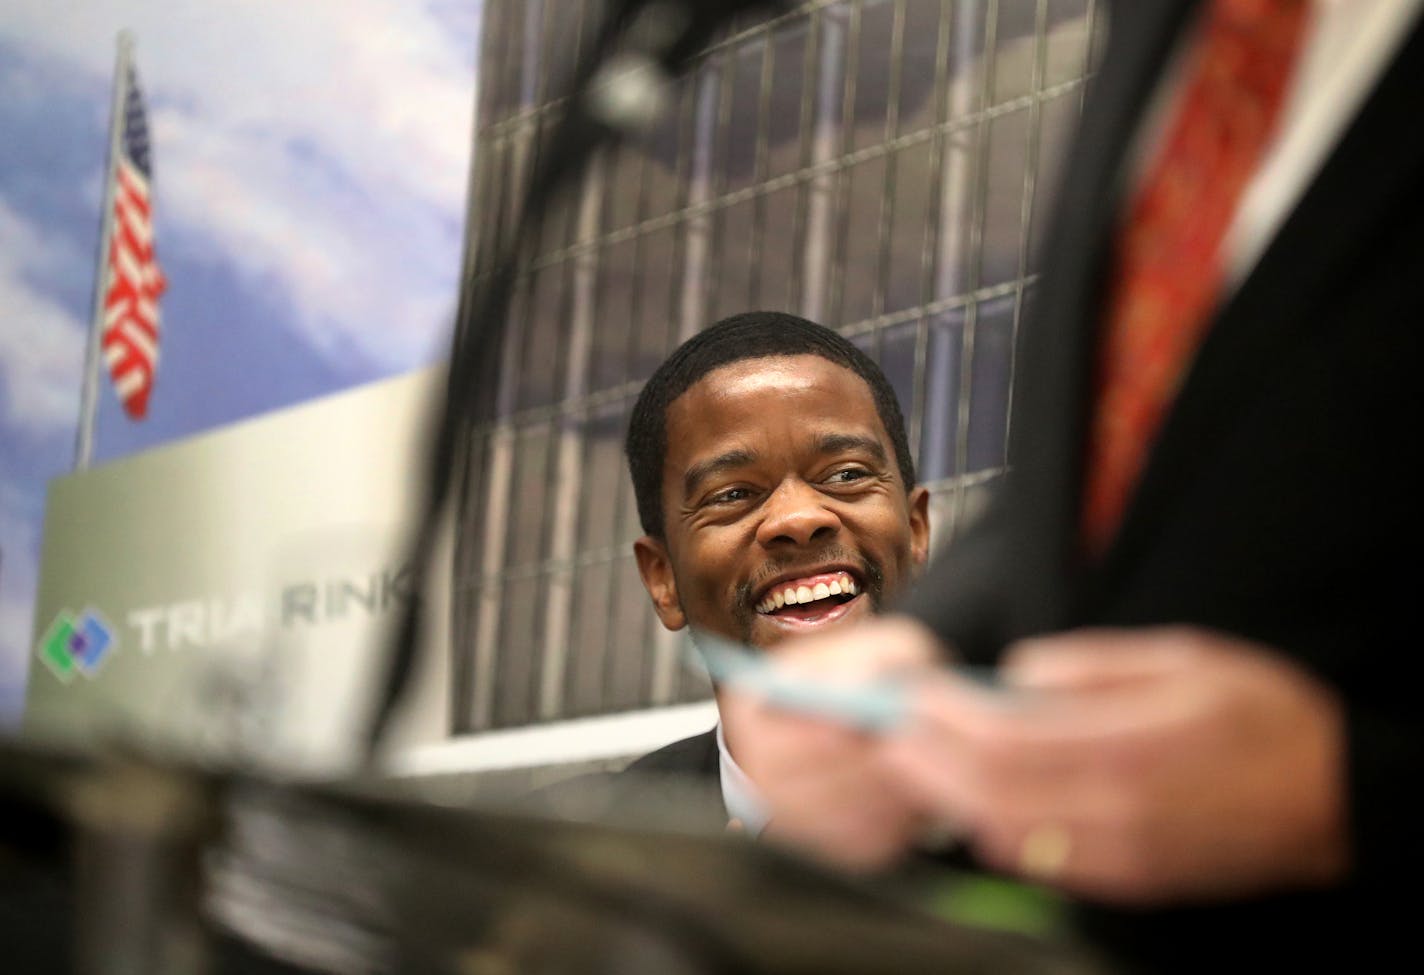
(840, 443)
(702, 470)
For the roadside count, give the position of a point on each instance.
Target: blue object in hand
(876, 706)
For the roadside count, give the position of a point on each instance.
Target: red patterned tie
(1169, 269)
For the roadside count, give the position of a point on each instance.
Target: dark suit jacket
(1276, 503)
(677, 785)
(696, 756)
(693, 760)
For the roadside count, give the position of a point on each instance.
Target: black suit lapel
(1356, 195)
(709, 758)
(697, 755)
(1052, 379)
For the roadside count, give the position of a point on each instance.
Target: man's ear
(655, 567)
(920, 525)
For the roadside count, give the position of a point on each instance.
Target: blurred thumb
(1091, 659)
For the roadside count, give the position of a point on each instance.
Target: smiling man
(777, 496)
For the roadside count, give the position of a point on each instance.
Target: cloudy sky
(310, 160)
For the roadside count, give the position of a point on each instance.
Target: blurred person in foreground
(1197, 584)
(777, 497)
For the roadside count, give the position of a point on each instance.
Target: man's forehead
(823, 405)
(768, 387)
(781, 374)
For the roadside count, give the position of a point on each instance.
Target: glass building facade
(880, 166)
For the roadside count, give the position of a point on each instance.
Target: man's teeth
(842, 584)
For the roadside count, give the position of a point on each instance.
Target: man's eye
(848, 475)
(730, 496)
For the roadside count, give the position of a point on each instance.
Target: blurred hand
(828, 788)
(1135, 766)
(1138, 766)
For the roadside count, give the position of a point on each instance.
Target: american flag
(133, 281)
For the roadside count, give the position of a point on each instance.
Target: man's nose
(796, 514)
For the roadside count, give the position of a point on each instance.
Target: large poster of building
(883, 167)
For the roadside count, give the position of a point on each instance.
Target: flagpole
(89, 400)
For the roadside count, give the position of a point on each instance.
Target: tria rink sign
(78, 644)
(251, 576)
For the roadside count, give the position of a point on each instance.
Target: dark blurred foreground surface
(132, 865)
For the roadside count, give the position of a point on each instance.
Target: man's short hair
(751, 335)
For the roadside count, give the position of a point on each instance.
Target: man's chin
(769, 629)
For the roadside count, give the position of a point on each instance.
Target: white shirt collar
(739, 795)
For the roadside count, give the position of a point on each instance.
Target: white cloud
(41, 344)
(320, 148)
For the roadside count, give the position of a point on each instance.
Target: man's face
(783, 507)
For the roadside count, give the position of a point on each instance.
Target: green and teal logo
(77, 645)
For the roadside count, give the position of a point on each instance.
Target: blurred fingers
(1100, 657)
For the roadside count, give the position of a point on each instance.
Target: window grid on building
(881, 166)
